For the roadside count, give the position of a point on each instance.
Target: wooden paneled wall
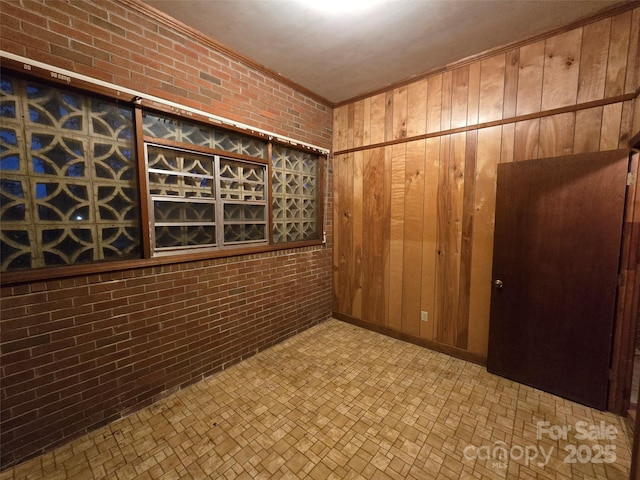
(415, 173)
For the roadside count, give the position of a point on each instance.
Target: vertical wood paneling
(511, 83)
(561, 69)
(377, 118)
(417, 109)
(556, 135)
(343, 233)
(466, 240)
(375, 235)
(429, 235)
(450, 204)
(593, 61)
(350, 124)
(530, 78)
(508, 143)
(587, 136)
(488, 155)
(340, 128)
(492, 72)
(527, 137)
(617, 55)
(412, 254)
(434, 103)
(358, 123)
(610, 134)
(460, 96)
(357, 228)
(626, 123)
(474, 93)
(388, 116)
(366, 121)
(396, 248)
(414, 221)
(632, 82)
(400, 108)
(388, 156)
(447, 84)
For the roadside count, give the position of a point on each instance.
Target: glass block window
(170, 128)
(294, 195)
(203, 200)
(68, 181)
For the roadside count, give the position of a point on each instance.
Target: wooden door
(555, 272)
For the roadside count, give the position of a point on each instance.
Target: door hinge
(631, 178)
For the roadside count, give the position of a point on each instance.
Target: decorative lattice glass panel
(169, 128)
(244, 196)
(294, 205)
(68, 192)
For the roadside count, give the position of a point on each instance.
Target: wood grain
(450, 203)
(508, 142)
(400, 109)
(530, 78)
(492, 71)
(617, 55)
(561, 69)
(366, 121)
(466, 240)
(488, 157)
(610, 133)
(474, 93)
(556, 135)
(587, 132)
(412, 253)
(377, 119)
(375, 236)
(388, 116)
(429, 235)
(632, 82)
(358, 123)
(396, 247)
(527, 139)
(340, 128)
(512, 67)
(417, 108)
(430, 150)
(357, 235)
(447, 85)
(460, 96)
(593, 61)
(434, 103)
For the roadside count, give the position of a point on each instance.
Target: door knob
(498, 284)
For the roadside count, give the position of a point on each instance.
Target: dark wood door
(555, 272)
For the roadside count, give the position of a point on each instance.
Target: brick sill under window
(54, 273)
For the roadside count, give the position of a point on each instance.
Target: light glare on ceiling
(340, 6)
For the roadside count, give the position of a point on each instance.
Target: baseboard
(431, 345)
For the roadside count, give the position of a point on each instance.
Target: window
(68, 191)
(70, 180)
(295, 195)
(193, 193)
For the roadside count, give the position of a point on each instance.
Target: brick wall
(113, 42)
(82, 351)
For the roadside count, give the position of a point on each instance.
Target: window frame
(147, 259)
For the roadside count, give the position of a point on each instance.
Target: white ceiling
(343, 55)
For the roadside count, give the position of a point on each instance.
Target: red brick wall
(82, 351)
(110, 41)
